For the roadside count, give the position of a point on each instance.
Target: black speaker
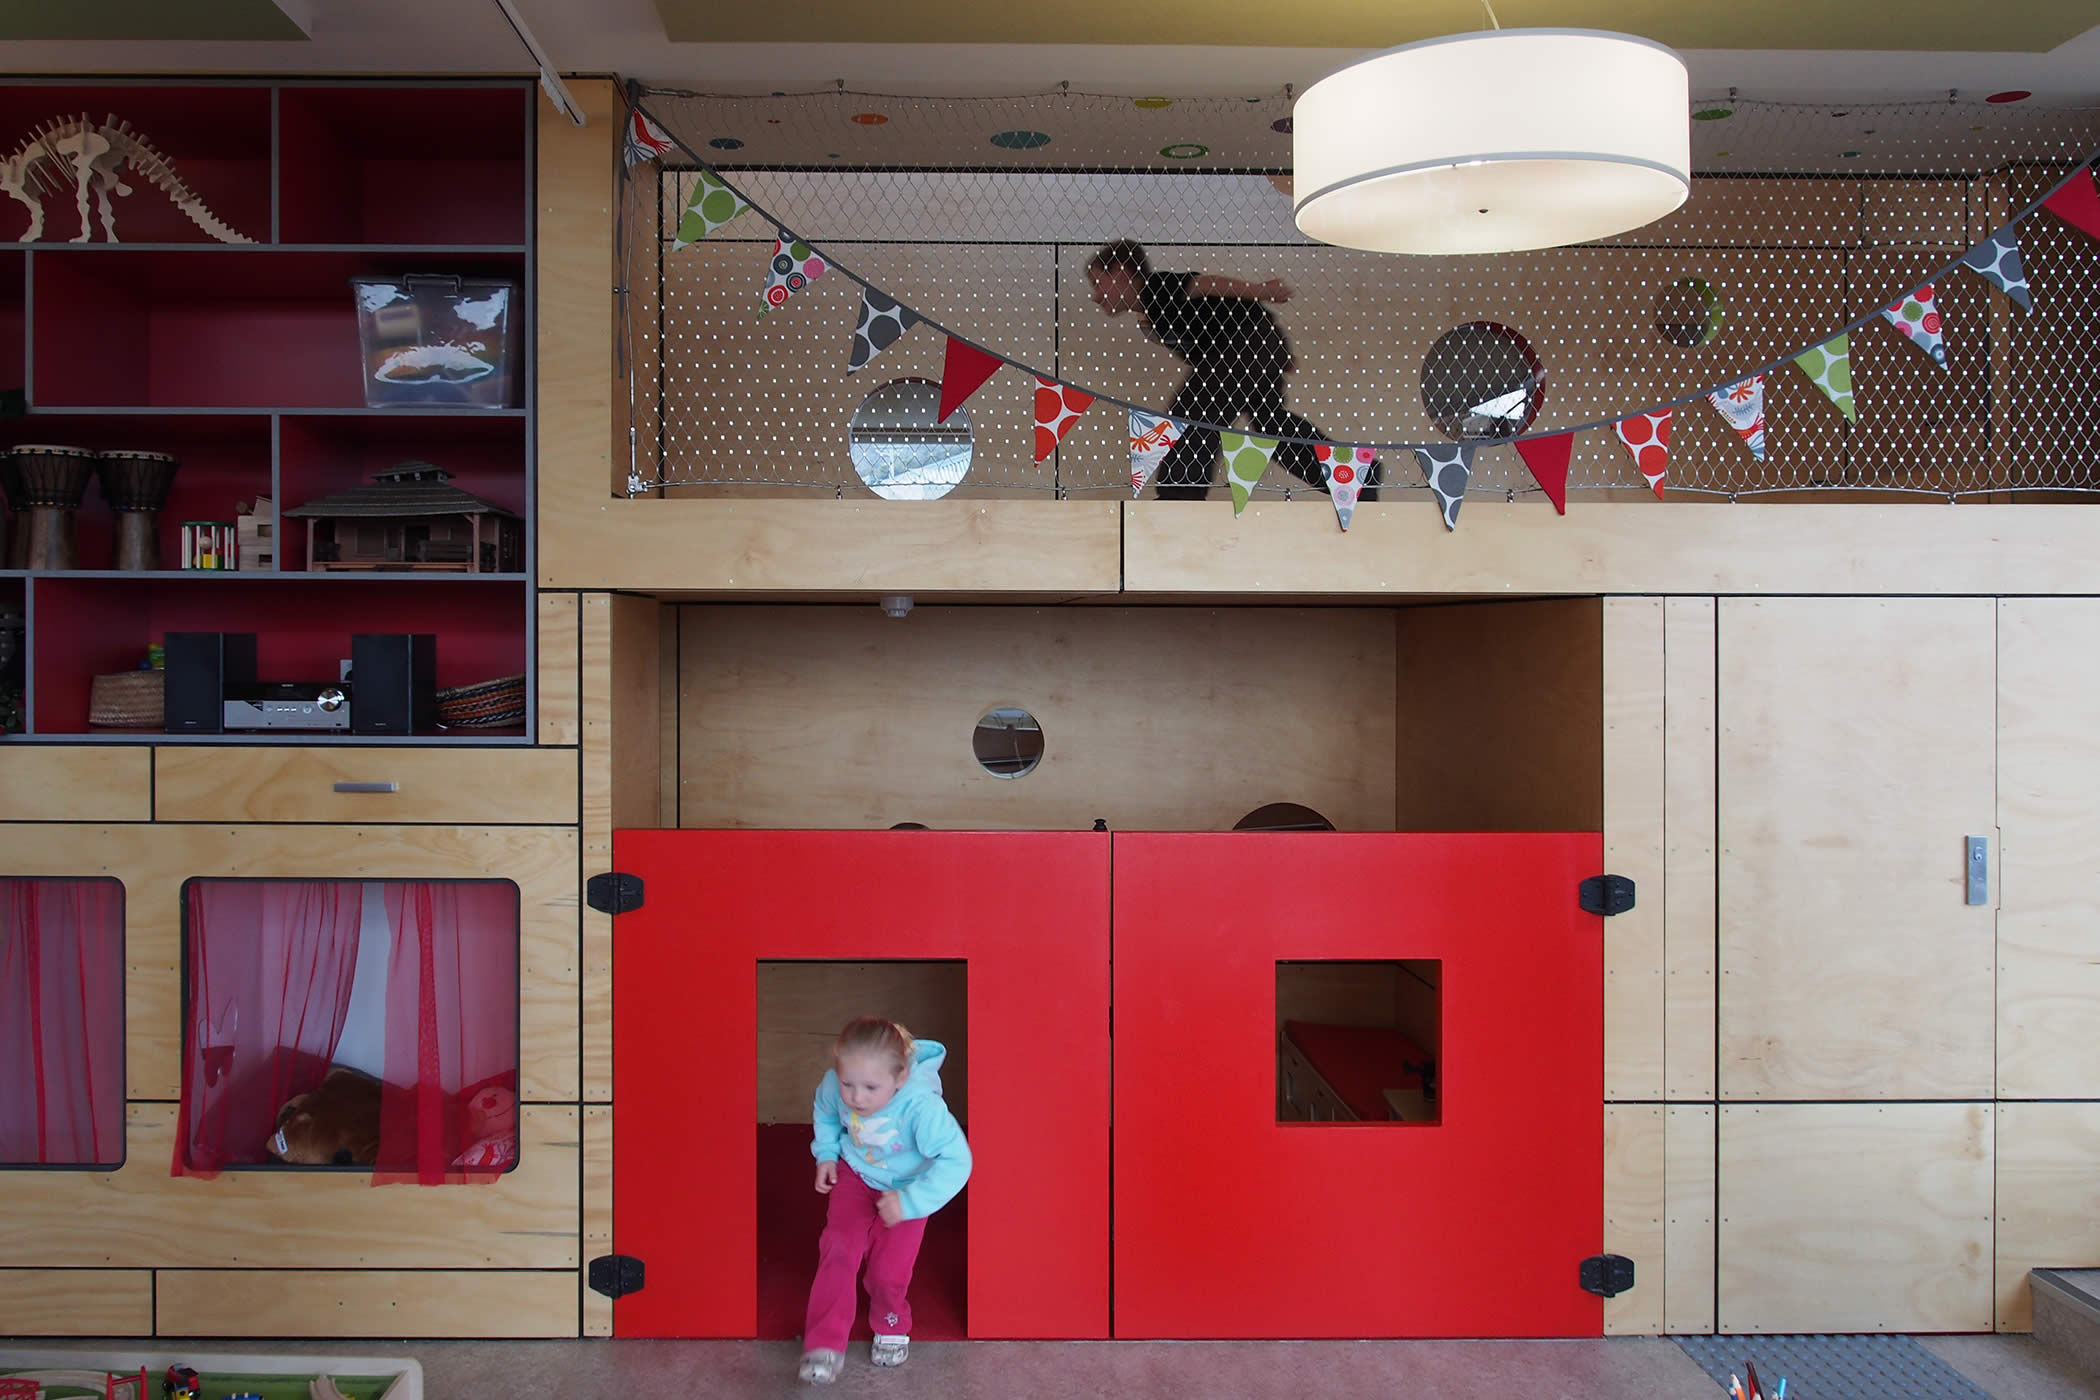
(393, 683)
(199, 667)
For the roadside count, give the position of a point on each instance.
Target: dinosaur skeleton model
(77, 153)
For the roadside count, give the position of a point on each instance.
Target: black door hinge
(1606, 1275)
(616, 1275)
(1605, 894)
(614, 892)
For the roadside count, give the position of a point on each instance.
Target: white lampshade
(1493, 143)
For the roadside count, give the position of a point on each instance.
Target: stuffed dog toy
(335, 1125)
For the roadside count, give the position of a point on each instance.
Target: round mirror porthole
(900, 450)
(1007, 742)
(1689, 312)
(1482, 381)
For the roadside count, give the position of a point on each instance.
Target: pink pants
(853, 1231)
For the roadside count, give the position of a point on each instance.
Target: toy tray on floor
(272, 1377)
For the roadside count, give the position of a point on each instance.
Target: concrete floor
(2009, 1367)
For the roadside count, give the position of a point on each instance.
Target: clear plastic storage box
(439, 340)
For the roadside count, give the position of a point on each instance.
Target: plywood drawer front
(75, 783)
(474, 786)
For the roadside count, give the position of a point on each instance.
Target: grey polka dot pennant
(1448, 465)
(1997, 260)
(883, 321)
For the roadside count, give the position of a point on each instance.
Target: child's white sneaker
(820, 1367)
(890, 1351)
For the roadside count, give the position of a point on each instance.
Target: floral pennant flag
(1246, 458)
(1057, 408)
(1151, 439)
(2076, 202)
(1743, 405)
(713, 204)
(1647, 437)
(1448, 465)
(1548, 459)
(963, 373)
(1997, 261)
(883, 322)
(645, 139)
(1918, 316)
(795, 265)
(1829, 367)
(1348, 470)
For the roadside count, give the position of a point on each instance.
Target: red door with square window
(1027, 912)
(1230, 1223)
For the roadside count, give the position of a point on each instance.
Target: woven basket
(484, 705)
(127, 700)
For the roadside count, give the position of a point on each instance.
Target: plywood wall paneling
(597, 1214)
(2048, 1198)
(1689, 1218)
(1478, 751)
(533, 787)
(803, 1005)
(1855, 1217)
(1929, 213)
(1340, 994)
(1634, 790)
(558, 660)
(595, 621)
(365, 1303)
(637, 688)
(2049, 813)
(76, 1302)
(1689, 813)
(1856, 751)
(76, 783)
(1698, 546)
(1153, 718)
(141, 1217)
(154, 860)
(1634, 1208)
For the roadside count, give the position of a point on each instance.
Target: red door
(1230, 1224)
(1028, 912)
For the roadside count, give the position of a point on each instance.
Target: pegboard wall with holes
(981, 215)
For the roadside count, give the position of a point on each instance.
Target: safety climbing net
(1971, 312)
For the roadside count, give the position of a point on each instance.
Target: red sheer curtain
(449, 1111)
(61, 1022)
(271, 964)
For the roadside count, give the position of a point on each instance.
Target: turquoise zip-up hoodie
(913, 1147)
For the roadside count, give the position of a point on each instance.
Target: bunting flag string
(1345, 468)
(1829, 367)
(1447, 466)
(795, 265)
(1057, 408)
(1997, 261)
(1246, 458)
(712, 205)
(1743, 405)
(1548, 457)
(1151, 439)
(645, 140)
(1647, 437)
(963, 373)
(883, 322)
(1918, 317)
(2077, 203)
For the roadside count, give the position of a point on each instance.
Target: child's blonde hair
(874, 1035)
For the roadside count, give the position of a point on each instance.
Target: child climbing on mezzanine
(879, 1110)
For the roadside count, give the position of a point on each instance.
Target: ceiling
(1782, 49)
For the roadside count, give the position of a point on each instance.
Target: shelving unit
(244, 361)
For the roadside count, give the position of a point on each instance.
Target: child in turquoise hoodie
(880, 1109)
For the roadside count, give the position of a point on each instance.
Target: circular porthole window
(1689, 312)
(1008, 742)
(900, 450)
(1283, 816)
(1481, 381)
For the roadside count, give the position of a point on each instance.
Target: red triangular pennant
(1548, 459)
(2077, 203)
(963, 374)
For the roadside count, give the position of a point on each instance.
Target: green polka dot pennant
(1246, 458)
(713, 204)
(1829, 368)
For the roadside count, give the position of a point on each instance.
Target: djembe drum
(54, 479)
(136, 486)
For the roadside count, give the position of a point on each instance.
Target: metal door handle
(368, 787)
(1977, 867)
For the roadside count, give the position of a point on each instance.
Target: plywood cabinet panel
(2048, 1198)
(1689, 928)
(360, 1303)
(75, 783)
(478, 786)
(1634, 793)
(76, 1302)
(1856, 751)
(1688, 1225)
(1635, 1202)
